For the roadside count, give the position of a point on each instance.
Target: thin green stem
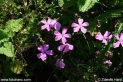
(51, 74)
(87, 44)
(54, 68)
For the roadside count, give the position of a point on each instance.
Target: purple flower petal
(80, 21)
(99, 36)
(64, 40)
(105, 62)
(121, 37)
(68, 47)
(74, 25)
(67, 35)
(76, 29)
(46, 47)
(108, 62)
(115, 45)
(49, 52)
(110, 37)
(60, 63)
(43, 27)
(53, 22)
(121, 44)
(40, 48)
(44, 21)
(85, 24)
(117, 36)
(48, 28)
(58, 38)
(106, 34)
(83, 30)
(60, 48)
(42, 56)
(57, 33)
(104, 41)
(49, 20)
(64, 30)
(57, 26)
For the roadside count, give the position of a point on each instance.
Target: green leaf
(61, 3)
(7, 49)
(16, 66)
(95, 1)
(13, 26)
(85, 5)
(3, 35)
(120, 28)
(1, 2)
(66, 3)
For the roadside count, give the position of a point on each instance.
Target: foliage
(21, 35)
(7, 49)
(86, 5)
(3, 35)
(82, 5)
(13, 26)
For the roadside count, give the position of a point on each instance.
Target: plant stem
(87, 44)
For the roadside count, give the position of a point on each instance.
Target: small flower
(56, 25)
(80, 26)
(62, 35)
(65, 47)
(108, 62)
(46, 24)
(44, 51)
(108, 54)
(104, 38)
(120, 40)
(60, 63)
(50, 23)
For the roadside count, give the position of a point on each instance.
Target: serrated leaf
(66, 3)
(16, 66)
(13, 26)
(7, 49)
(85, 5)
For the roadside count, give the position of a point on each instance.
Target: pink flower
(62, 35)
(44, 50)
(60, 63)
(120, 40)
(80, 26)
(46, 24)
(104, 38)
(65, 47)
(50, 23)
(56, 25)
(108, 62)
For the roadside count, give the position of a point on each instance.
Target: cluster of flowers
(65, 47)
(108, 55)
(106, 37)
